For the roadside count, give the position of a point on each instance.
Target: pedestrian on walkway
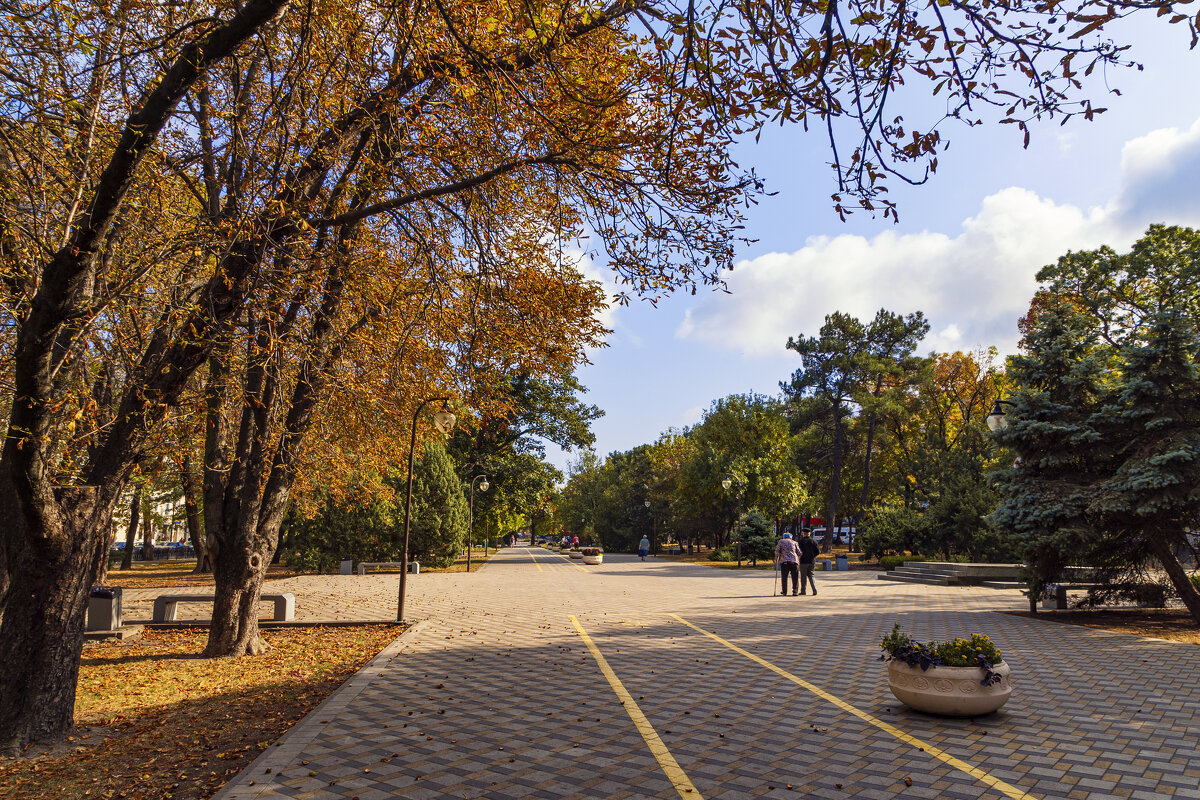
(808, 557)
(643, 548)
(787, 556)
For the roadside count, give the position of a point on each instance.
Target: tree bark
(1160, 545)
(135, 512)
(191, 505)
(147, 536)
(41, 637)
(835, 479)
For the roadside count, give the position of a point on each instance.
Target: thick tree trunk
(238, 572)
(1161, 547)
(41, 636)
(135, 511)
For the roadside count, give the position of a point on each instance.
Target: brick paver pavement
(496, 695)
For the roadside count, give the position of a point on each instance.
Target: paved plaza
(539, 677)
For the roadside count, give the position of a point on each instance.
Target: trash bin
(414, 567)
(826, 564)
(104, 609)
(346, 567)
(843, 563)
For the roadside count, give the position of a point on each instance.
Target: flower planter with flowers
(593, 555)
(575, 553)
(963, 677)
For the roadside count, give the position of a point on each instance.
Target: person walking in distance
(643, 548)
(808, 557)
(787, 556)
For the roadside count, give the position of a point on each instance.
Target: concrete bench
(413, 566)
(166, 605)
(1059, 600)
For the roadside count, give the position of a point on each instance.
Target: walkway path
(539, 677)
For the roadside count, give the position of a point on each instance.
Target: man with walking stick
(787, 556)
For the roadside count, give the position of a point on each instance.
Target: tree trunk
(191, 505)
(41, 637)
(1160, 545)
(238, 572)
(147, 536)
(135, 511)
(835, 480)
(865, 497)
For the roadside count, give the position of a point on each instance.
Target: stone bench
(166, 605)
(413, 566)
(1059, 600)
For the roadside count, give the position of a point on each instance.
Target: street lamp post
(444, 420)
(650, 514)
(483, 487)
(725, 484)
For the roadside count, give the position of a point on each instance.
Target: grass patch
(156, 721)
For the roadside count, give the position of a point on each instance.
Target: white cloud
(973, 286)
(691, 416)
(588, 269)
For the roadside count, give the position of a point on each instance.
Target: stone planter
(596, 559)
(576, 554)
(952, 691)
(564, 549)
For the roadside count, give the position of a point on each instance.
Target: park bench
(413, 566)
(166, 605)
(1059, 598)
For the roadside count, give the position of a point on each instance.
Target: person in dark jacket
(808, 556)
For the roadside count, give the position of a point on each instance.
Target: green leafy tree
(757, 537)
(1106, 411)
(438, 526)
(844, 372)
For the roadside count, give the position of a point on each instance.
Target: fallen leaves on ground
(157, 721)
(1176, 625)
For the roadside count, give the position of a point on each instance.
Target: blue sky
(964, 252)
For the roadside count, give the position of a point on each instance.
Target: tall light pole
(651, 515)
(725, 484)
(483, 487)
(444, 420)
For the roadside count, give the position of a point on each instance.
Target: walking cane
(775, 581)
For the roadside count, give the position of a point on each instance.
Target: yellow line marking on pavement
(570, 562)
(658, 747)
(938, 753)
(535, 562)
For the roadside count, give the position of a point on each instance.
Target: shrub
(891, 562)
(723, 554)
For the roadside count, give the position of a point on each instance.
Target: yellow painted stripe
(658, 747)
(535, 562)
(938, 753)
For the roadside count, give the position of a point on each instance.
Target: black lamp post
(650, 514)
(483, 487)
(444, 420)
(726, 483)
